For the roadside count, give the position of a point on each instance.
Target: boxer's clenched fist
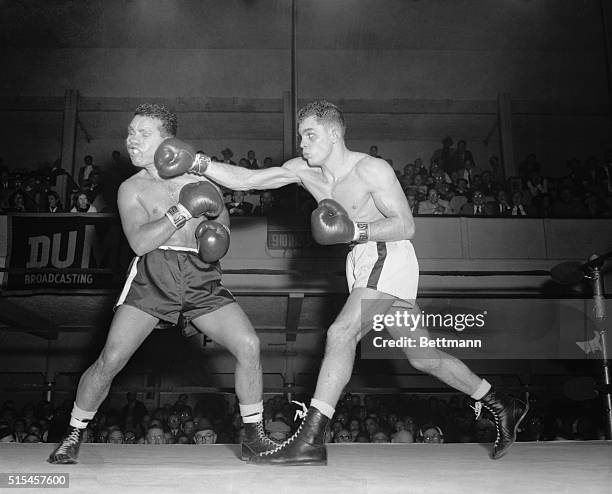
(174, 157)
(213, 240)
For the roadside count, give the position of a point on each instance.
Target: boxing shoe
(255, 440)
(508, 413)
(305, 447)
(68, 449)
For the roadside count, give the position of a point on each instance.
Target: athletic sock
(80, 418)
(482, 390)
(323, 407)
(252, 413)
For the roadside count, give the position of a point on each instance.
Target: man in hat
(227, 156)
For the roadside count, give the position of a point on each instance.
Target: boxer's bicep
(389, 198)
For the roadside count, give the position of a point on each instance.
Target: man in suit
(477, 207)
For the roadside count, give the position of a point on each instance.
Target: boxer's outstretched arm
(143, 235)
(390, 200)
(238, 178)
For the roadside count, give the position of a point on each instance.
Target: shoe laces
(495, 418)
(299, 413)
(262, 435)
(70, 440)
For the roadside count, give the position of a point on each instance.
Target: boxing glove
(174, 157)
(331, 225)
(201, 198)
(213, 240)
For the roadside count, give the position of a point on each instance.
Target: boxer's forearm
(150, 236)
(238, 178)
(391, 229)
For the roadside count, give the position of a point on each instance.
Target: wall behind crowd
(544, 51)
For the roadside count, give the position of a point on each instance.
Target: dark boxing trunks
(174, 285)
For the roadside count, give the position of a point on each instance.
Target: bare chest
(351, 192)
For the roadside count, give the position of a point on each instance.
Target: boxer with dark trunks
(361, 203)
(175, 276)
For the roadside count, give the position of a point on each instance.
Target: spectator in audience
(227, 156)
(419, 187)
(568, 205)
(402, 436)
(82, 204)
(460, 157)
(205, 436)
(54, 205)
(266, 205)
(115, 436)
(501, 206)
(243, 163)
(468, 172)
(433, 204)
(17, 203)
(477, 206)
(267, 162)
(374, 151)
(487, 186)
(537, 185)
(497, 171)
(595, 207)
(343, 436)
(155, 435)
(412, 202)
(134, 412)
(444, 154)
(380, 437)
(252, 160)
(519, 207)
(87, 169)
(530, 163)
(238, 206)
(431, 434)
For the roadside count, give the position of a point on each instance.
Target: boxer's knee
(248, 348)
(110, 362)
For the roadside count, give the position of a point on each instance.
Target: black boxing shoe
(68, 449)
(255, 440)
(508, 413)
(305, 447)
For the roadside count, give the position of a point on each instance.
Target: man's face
(155, 435)
(143, 139)
(316, 141)
(206, 436)
(115, 437)
(432, 435)
(173, 421)
(188, 427)
(343, 436)
(433, 196)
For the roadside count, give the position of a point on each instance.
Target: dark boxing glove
(213, 240)
(196, 199)
(174, 157)
(331, 225)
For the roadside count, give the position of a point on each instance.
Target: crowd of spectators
(451, 183)
(358, 418)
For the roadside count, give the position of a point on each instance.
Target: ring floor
(556, 467)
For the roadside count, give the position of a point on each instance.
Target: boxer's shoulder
(367, 166)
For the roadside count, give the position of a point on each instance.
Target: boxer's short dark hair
(168, 118)
(323, 111)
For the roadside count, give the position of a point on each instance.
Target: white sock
(482, 390)
(80, 418)
(252, 413)
(323, 407)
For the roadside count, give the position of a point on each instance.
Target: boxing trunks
(388, 267)
(174, 285)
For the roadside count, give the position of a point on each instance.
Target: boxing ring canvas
(557, 467)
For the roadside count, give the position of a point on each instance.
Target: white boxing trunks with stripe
(388, 267)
